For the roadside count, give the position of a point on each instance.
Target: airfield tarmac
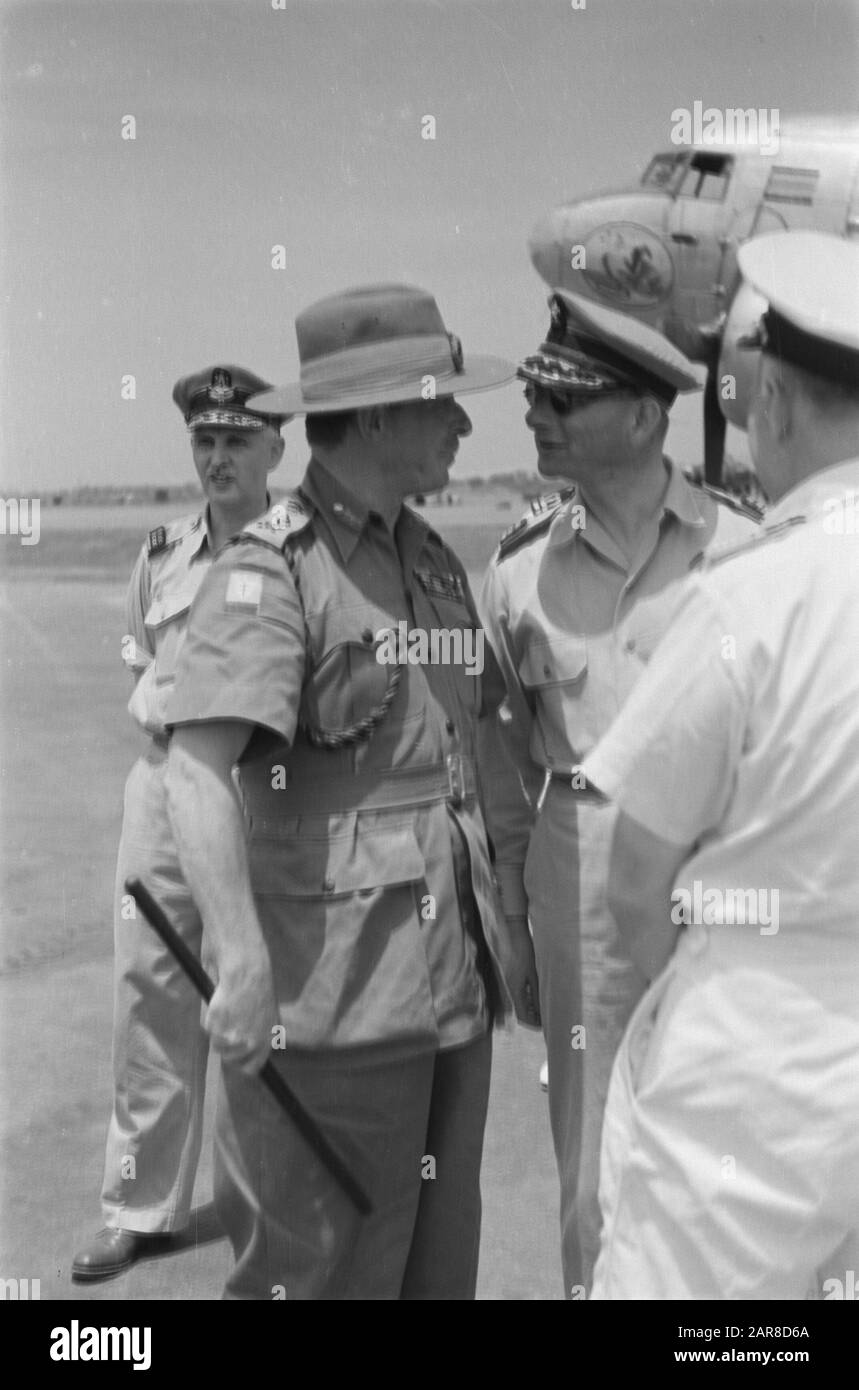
(67, 745)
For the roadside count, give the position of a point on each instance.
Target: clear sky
(302, 126)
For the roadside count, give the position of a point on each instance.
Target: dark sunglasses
(565, 402)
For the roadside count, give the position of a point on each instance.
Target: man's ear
(647, 418)
(278, 444)
(371, 421)
(776, 398)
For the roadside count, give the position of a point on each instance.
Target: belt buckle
(455, 778)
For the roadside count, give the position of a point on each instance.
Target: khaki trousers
(588, 990)
(159, 1048)
(411, 1130)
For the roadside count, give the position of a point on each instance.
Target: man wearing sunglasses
(575, 601)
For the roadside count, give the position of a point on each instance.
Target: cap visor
(480, 374)
(234, 419)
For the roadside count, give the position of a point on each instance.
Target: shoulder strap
(283, 520)
(736, 504)
(535, 522)
(163, 538)
(764, 536)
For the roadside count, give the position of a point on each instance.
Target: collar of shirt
(678, 500)
(345, 513)
(348, 516)
(812, 492)
(203, 536)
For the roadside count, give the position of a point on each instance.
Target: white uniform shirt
(742, 738)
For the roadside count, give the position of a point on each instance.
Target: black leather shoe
(112, 1251)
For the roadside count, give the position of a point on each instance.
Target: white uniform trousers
(730, 1163)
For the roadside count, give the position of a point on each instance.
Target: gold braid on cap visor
(550, 370)
(230, 418)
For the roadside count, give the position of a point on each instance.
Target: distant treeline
(737, 478)
(528, 484)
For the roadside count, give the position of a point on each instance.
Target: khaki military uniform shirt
(356, 849)
(573, 624)
(169, 570)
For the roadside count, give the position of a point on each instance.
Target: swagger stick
(269, 1075)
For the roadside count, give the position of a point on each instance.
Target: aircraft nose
(591, 247)
(557, 244)
(544, 247)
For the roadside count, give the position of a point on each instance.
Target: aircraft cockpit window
(707, 176)
(665, 171)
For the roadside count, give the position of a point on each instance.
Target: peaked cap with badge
(811, 283)
(590, 350)
(219, 395)
(376, 345)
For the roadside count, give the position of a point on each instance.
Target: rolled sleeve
(670, 759)
(137, 598)
(244, 652)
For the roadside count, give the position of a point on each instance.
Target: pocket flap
(167, 610)
(554, 663)
(296, 866)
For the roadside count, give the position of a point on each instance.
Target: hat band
(390, 365)
(806, 350)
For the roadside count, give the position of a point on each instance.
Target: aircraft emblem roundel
(629, 264)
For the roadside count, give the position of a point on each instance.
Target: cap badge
(456, 352)
(221, 389)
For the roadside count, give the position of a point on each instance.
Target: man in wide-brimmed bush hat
(336, 654)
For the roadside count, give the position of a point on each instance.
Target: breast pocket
(560, 665)
(343, 929)
(346, 679)
(166, 621)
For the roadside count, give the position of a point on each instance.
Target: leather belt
(453, 782)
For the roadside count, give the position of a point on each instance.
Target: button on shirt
(573, 623)
(354, 873)
(159, 597)
(742, 740)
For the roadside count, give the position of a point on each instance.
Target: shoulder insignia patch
(156, 541)
(766, 534)
(727, 499)
(538, 520)
(282, 520)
